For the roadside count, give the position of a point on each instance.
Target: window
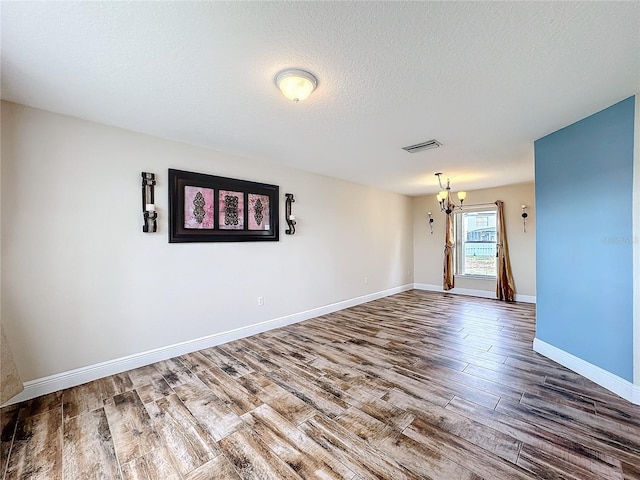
(475, 243)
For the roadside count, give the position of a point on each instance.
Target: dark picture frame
(208, 208)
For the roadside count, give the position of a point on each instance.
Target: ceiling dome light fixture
(296, 85)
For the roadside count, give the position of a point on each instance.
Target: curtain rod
(478, 204)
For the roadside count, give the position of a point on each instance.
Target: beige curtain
(448, 280)
(10, 381)
(505, 289)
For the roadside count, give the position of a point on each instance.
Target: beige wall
(428, 249)
(82, 284)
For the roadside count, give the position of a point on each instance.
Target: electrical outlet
(366, 279)
(260, 301)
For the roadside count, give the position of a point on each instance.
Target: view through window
(475, 243)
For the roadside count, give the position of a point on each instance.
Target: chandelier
(447, 205)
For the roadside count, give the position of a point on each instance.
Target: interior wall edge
(472, 292)
(72, 378)
(602, 377)
(636, 243)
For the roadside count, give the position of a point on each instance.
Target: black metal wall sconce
(148, 206)
(291, 219)
(524, 218)
(430, 222)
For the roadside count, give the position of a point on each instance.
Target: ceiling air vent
(423, 146)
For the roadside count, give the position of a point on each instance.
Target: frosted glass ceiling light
(296, 85)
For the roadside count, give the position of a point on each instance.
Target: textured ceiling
(485, 79)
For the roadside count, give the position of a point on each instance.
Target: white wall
(428, 249)
(81, 283)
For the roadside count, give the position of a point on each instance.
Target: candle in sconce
(150, 207)
(292, 217)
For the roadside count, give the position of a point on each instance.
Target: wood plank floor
(418, 385)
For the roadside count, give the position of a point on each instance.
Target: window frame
(458, 242)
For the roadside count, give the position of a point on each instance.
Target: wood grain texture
(295, 448)
(219, 467)
(8, 424)
(131, 427)
(211, 412)
(153, 465)
(83, 398)
(191, 444)
(419, 385)
(37, 448)
(87, 448)
(252, 458)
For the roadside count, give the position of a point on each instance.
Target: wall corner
(636, 242)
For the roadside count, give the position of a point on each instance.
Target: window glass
(475, 243)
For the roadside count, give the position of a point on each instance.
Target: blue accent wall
(584, 234)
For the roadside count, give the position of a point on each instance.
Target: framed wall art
(207, 208)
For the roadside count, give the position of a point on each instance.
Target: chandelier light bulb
(444, 197)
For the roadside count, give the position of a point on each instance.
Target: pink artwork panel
(258, 212)
(231, 208)
(198, 207)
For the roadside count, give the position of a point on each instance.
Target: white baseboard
(71, 378)
(525, 298)
(608, 380)
(471, 292)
